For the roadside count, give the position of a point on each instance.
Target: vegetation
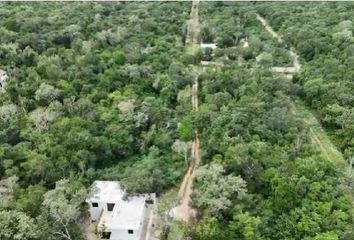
(249, 126)
(324, 41)
(103, 91)
(233, 28)
(92, 95)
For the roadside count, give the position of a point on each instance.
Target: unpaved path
(296, 65)
(184, 211)
(193, 28)
(270, 29)
(317, 134)
(88, 229)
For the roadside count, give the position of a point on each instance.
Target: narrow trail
(318, 136)
(269, 28)
(184, 211)
(296, 65)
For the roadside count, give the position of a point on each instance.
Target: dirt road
(184, 211)
(193, 24)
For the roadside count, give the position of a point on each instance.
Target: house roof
(127, 214)
(105, 191)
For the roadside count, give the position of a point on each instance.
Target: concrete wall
(95, 212)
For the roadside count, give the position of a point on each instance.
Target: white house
(3, 79)
(118, 218)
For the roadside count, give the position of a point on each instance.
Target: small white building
(203, 46)
(3, 79)
(118, 218)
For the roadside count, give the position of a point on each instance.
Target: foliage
(215, 191)
(102, 91)
(62, 204)
(247, 123)
(17, 226)
(322, 35)
(92, 95)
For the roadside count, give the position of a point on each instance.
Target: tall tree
(215, 190)
(62, 207)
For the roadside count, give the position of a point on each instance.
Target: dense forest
(92, 95)
(103, 91)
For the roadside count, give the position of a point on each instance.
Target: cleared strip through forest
(184, 211)
(318, 136)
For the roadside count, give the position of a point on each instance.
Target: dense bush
(92, 95)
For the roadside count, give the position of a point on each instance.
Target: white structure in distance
(203, 46)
